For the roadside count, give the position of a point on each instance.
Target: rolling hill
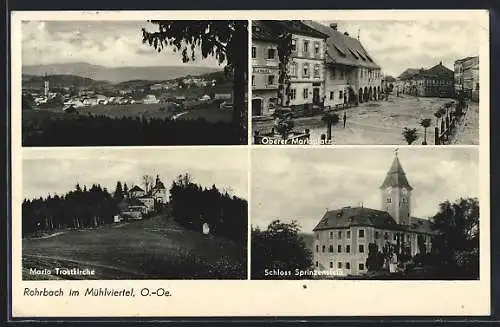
(60, 81)
(118, 74)
(156, 248)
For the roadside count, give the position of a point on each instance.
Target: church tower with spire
(396, 193)
(46, 87)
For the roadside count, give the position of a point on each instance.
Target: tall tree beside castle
(280, 247)
(456, 247)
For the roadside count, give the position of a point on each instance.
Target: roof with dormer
(343, 49)
(396, 176)
(355, 216)
(359, 216)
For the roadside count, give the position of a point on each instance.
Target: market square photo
(365, 82)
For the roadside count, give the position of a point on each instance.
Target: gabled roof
(136, 189)
(343, 49)
(396, 176)
(438, 71)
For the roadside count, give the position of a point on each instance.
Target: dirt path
(48, 236)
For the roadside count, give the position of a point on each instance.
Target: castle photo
(342, 236)
(365, 213)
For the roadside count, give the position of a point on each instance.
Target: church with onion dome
(342, 237)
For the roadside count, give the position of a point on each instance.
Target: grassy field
(155, 248)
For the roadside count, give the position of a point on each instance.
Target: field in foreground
(156, 248)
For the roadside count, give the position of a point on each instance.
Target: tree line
(193, 205)
(105, 131)
(79, 208)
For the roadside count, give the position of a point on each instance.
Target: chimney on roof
(333, 26)
(440, 63)
(346, 34)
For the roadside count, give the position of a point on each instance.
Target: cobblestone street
(382, 122)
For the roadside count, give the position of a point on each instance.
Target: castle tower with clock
(396, 193)
(343, 236)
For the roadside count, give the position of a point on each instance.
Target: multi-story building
(464, 71)
(351, 75)
(436, 81)
(343, 236)
(306, 64)
(265, 69)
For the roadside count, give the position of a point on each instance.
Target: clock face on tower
(404, 191)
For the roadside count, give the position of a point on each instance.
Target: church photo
(365, 213)
(134, 214)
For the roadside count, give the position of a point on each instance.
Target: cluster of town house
(90, 97)
(326, 67)
(331, 69)
(436, 81)
(439, 81)
(138, 201)
(342, 236)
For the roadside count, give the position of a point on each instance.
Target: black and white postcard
(281, 163)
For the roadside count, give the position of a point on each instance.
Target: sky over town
(300, 184)
(54, 171)
(105, 43)
(398, 45)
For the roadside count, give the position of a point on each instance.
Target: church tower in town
(46, 87)
(396, 193)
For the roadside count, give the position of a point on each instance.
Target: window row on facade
(342, 265)
(361, 248)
